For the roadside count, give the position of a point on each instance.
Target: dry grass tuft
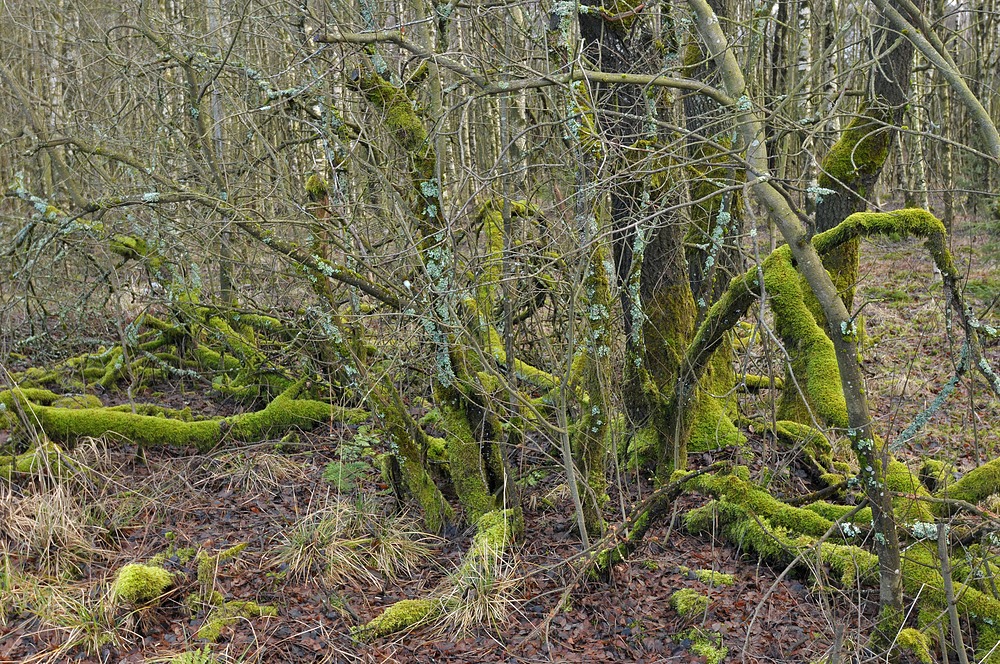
(47, 529)
(354, 542)
(252, 472)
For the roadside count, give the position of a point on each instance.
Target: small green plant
(229, 613)
(201, 656)
(220, 613)
(344, 475)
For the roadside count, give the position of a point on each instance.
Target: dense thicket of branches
(554, 227)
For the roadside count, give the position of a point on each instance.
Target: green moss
(43, 455)
(77, 401)
(140, 585)
(835, 512)
(405, 434)
(493, 343)
(916, 643)
(590, 443)
(907, 510)
(130, 247)
(936, 475)
(813, 445)
(466, 459)
(733, 489)
(711, 423)
(153, 410)
(71, 425)
(988, 644)
(706, 644)
(201, 656)
(480, 566)
(920, 575)
(316, 188)
(400, 616)
(814, 362)
(230, 613)
(644, 445)
(400, 116)
(711, 577)
(779, 542)
(912, 222)
(974, 486)
(10, 398)
(280, 415)
(861, 150)
(689, 603)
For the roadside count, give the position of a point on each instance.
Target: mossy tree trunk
(475, 463)
(657, 283)
(871, 455)
(848, 176)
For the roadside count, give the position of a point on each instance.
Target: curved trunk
(849, 174)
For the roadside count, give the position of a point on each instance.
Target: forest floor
(64, 541)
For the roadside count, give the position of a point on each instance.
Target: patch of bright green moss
(988, 644)
(920, 575)
(139, 585)
(43, 455)
(916, 643)
(901, 481)
(465, 455)
(975, 485)
(228, 614)
(689, 603)
(706, 644)
(77, 401)
(400, 616)
(734, 489)
(814, 362)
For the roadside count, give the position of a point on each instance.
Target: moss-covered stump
(284, 412)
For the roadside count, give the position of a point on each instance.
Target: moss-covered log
(284, 412)
(751, 518)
